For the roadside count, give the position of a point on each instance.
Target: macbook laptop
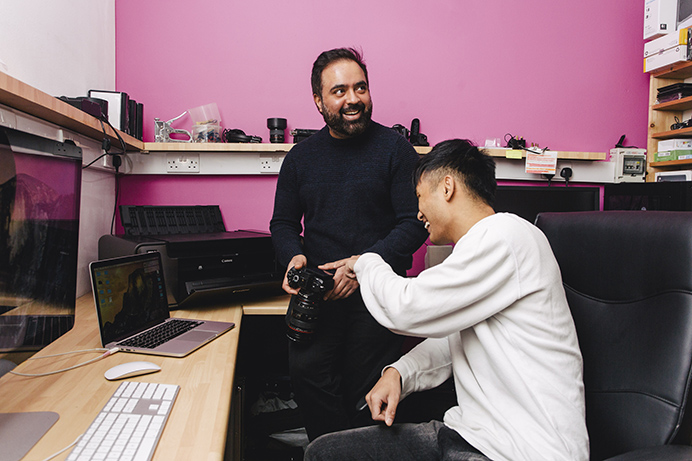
(132, 309)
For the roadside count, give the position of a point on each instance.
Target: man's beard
(348, 128)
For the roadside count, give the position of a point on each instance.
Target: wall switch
(270, 163)
(182, 163)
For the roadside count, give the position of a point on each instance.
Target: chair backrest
(628, 280)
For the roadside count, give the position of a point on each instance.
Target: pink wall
(567, 75)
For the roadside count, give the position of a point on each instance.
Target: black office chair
(628, 280)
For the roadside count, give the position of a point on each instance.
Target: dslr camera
(304, 308)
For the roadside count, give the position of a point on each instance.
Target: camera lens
(301, 318)
(276, 129)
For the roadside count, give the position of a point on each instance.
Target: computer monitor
(661, 196)
(684, 14)
(528, 201)
(40, 184)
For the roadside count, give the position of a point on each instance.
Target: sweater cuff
(407, 372)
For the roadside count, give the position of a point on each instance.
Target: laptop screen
(130, 295)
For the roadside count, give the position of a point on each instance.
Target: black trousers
(332, 373)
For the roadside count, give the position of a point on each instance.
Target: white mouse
(130, 369)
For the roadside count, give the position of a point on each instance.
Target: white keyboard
(130, 425)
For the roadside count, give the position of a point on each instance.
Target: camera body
(304, 308)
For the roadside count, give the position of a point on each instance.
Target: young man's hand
(384, 396)
(345, 283)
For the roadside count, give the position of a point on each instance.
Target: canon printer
(199, 256)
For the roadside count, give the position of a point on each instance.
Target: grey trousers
(400, 442)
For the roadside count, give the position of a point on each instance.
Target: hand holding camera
(304, 307)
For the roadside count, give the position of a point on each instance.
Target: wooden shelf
(227, 147)
(213, 147)
(283, 148)
(681, 70)
(675, 106)
(564, 155)
(20, 96)
(671, 164)
(681, 133)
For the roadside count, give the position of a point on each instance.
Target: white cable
(64, 449)
(99, 349)
(102, 356)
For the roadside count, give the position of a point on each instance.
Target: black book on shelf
(139, 125)
(674, 92)
(132, 120)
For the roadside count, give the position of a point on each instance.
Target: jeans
(400, 442)
(333, 372)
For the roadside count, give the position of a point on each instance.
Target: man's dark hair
(461, 157)
(328, 57)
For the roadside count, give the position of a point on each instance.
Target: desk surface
(198, 423)
(270, 305)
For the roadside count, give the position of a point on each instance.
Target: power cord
(520, 144)
(64, 449)
(566, 173)
(106, 353)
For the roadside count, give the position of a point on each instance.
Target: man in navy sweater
(348, 189)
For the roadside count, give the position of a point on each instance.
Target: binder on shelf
(118, 108)
(139, 134)
(135, 113)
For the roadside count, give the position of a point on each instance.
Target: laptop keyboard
(158, 335)
(32, 332)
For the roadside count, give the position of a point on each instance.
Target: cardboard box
(659, 18)
(668, 41)
(671, 155)
(680, 53)
(674, 144)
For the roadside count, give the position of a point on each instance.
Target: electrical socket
(107, 162)
(270, 163)
(179, 163)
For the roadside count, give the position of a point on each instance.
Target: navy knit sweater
(353, 196)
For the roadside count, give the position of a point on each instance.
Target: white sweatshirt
(496, 317)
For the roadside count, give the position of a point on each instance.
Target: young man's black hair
(461, 157)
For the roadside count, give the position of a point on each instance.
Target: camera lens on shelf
(276, 126)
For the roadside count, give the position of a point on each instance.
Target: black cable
(117, 162)
(95, 160)
(514, 143)
(566, 173)
(115, 204)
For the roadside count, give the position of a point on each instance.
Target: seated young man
(496, 320)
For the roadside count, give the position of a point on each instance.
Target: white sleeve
(472, 284)
(426, 366)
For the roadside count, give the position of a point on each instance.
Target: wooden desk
(271, 305)
(198, 423)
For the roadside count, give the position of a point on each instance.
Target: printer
(199, 256)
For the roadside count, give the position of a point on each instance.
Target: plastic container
(207, 114)
(206, 133)
(206, 123)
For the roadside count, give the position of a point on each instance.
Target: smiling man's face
(345, 101)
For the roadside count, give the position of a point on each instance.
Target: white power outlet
(270, 163)
(182, 163)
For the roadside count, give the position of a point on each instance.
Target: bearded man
(344, 191)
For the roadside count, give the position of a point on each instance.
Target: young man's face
(345, 101)
(431, 209)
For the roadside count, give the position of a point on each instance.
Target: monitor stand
(19, 432)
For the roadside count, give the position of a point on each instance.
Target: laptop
(132, 309)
